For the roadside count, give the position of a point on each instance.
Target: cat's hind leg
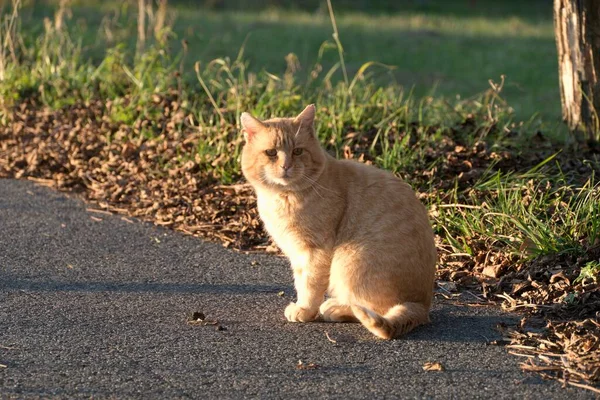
(334, 311)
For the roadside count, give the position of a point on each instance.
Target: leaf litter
(120, 170)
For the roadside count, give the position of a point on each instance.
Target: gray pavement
(97, 309)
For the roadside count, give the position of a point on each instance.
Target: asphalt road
(94, 306)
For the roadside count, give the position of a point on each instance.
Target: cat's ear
(250, 126)
(307, 116)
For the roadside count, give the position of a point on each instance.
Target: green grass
(591, 271)
(532, 213)
(449, 48)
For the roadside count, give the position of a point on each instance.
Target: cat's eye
(271, 152)
(297, 151)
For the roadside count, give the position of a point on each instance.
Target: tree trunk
(577, 27)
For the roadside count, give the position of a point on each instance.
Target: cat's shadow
(452, 323)
(35, 285)
(449, 323)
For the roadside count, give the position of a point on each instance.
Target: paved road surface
(97, 309)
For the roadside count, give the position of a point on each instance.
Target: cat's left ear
(307, 116)
(250, 125)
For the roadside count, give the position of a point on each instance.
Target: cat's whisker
(313, 186)
(314, 182)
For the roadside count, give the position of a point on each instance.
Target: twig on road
(330, 338)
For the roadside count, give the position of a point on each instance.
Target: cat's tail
(400, 319)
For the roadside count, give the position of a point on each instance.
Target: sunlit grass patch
(452, 46)
(530, 214)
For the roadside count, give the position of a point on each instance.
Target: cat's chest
(290, 223)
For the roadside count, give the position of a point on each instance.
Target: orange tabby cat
(349, 229)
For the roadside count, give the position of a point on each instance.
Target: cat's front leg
(311, 279)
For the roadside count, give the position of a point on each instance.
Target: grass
(531, 214)
(447, 48)
(590, 271)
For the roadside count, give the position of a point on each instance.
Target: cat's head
(282, 153)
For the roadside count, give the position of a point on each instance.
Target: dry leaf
(433, 366)
(302, 365)
(528, 247)
(493, 271)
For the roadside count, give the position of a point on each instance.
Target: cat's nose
(286, 167)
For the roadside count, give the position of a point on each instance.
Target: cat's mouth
(284, 179)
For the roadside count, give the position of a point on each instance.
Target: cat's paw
(295, 313)
(331, 310)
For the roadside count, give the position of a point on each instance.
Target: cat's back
(364, 181)
(376, 199)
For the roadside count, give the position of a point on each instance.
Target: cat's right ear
(250, 126)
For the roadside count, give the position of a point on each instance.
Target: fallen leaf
(528, 247)
(302, 365)
(493, 271)
(197, 316)
(433, 366)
